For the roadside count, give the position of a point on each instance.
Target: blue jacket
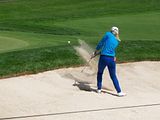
(108, 44)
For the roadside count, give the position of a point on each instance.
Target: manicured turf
(38, 59)
(34, 34)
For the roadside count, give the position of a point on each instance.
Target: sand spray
(88, 75)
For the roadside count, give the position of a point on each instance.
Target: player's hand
(93, 55)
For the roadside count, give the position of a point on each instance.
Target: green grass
(34, 34)
(7, 43)
(15, 41)
(38, 59)
(131, 51)
(24, 15)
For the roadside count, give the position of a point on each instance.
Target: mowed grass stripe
(42, 29)
(136, 27)
(9, 43)
(132, 27)
(25, 40)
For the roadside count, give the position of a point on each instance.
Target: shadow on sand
(86, 87)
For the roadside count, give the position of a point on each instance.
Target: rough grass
(36, 60)
(131, 51)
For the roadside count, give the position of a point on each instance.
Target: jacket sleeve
(101, 42)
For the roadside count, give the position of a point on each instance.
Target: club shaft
(86, 64)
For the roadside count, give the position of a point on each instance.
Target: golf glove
(94, 54)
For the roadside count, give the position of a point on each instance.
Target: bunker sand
(55, 95)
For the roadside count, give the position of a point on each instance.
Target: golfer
(107, 47)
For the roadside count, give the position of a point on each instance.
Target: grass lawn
(34, 35)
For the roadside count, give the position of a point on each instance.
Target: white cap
(115, 30)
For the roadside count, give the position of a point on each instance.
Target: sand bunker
(129, 74)
(55, 92)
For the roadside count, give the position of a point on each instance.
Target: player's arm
(99, 46)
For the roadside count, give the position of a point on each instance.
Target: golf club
(86, 64)
(90, 60)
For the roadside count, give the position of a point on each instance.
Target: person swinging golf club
(106, 47)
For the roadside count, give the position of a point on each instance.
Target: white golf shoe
(98, 91)
(121, 94)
